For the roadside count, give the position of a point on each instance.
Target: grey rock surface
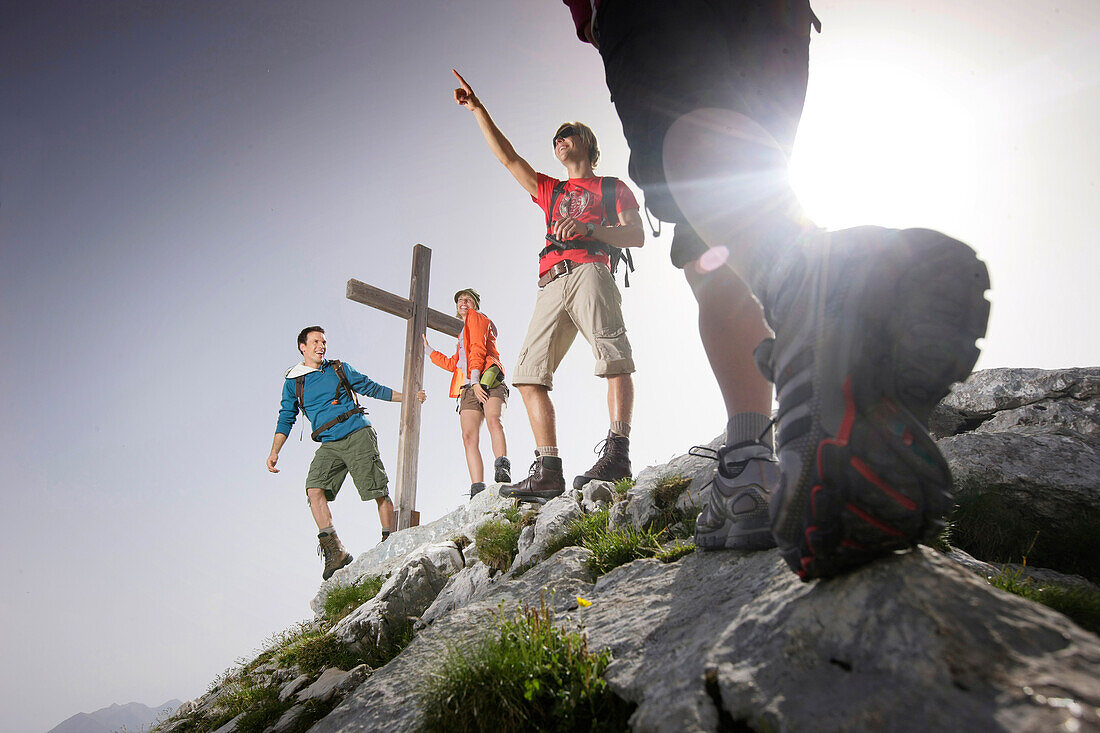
(551, 522)
(378, 623)
(597, 495)
(1053, 479)
(387, 556)
(1020, 571)
(390, 698)
(1022, 400)
(294, 686)
(468, 584)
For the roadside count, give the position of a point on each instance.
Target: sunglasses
(563, 133)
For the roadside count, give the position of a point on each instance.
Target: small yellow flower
(583, 602)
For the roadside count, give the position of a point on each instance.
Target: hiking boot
(613, 463)
(872, 327)
(544, 481)
(503, 468)
(735, 502)
(476, 488)
(336, 556)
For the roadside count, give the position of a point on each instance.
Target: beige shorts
(584, 300)
(467, 400)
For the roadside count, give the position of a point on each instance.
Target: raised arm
(520, 169)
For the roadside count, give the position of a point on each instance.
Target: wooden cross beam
(420, 317)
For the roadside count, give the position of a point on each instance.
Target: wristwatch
(589, 228)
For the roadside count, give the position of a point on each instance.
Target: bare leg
(385, 512)
(729, 178)
(540, 411)
(731, 325)
(493, 408)
(318, 505)
(620, 398)
(470, 421)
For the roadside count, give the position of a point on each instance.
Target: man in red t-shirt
(576, 293)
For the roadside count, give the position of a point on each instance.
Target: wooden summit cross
(420, 317)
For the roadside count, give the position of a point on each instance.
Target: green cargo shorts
(356, 454)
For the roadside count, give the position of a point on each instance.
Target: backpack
(299, 389)
(610, 216)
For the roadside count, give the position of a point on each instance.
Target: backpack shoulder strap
(299, 389)
(559, 189)
(338, 367)
(609, 197)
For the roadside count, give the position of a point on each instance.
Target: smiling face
(575, 141)
(313, 350)
(464, 305)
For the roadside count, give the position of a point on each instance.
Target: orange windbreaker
(479, 339)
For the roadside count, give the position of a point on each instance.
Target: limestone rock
(730, 634)
(407, 594)
(597, 495)
(389, 700)
(470, 583)
(551, 522)
(294, 686)
(1035, 496)
(641, 508)
(1024, 401)
(444, 555)
(387, 556)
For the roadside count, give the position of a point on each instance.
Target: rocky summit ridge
(718, 641)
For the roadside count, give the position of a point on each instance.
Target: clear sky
(184, 185)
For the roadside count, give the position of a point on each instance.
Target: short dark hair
(304, 334)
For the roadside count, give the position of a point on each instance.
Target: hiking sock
(385, 534)
(547, 450)
(326, 531)
(749, 427)
(620, 428)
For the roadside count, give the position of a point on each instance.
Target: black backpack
(299, 388)
(610, 217)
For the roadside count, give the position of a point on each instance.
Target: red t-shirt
(582, 14)
(583, 200)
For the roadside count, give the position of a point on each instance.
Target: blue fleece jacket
(320, 388)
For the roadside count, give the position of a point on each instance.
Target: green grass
(343, 600)
(316, 652)
(528, 675)
(611, 547)
(497, 543)
(997, 531)
(622, 486)
(668, 490)
(676, 551)
(1079, 603)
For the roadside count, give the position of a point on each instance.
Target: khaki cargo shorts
(356, 454)
(584, 300)
(467, 400)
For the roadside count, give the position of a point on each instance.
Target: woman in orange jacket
(478, 383)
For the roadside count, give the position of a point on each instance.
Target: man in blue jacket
(348, 442)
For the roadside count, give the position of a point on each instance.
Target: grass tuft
(668, 490)
(529, 675)
(497, 543)
(622, 486)
(1080, 603)
(676, 551)
(343, 600)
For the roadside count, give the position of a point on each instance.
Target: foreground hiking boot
(613, 463)
(336, 556)
(872, 327)
(735, 502)
(476, 488)
(503, 470)
(544, 481)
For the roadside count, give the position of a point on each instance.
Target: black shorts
(665, 59)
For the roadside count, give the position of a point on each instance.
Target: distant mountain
(134, 717)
